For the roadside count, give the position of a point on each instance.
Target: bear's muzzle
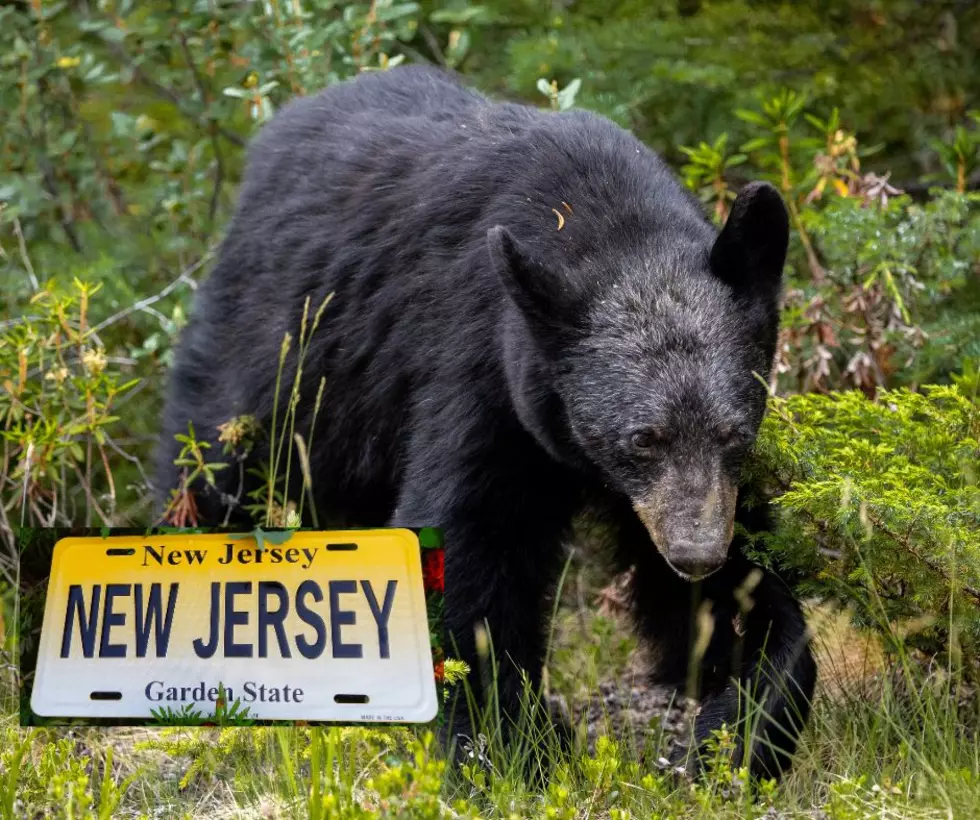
(690, 516)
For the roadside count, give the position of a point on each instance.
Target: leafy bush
(882, 290)
(59, 391)
(678, 70)
(57, 779)
(896, 300)
(879, 506)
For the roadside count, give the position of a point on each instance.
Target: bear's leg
(775, 666)
(758, 645)
(502, 525)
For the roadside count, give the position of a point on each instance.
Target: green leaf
(111, 34)
(755, 144)
(752, 117)
(430, 538)
(816, 122)
(386, 14)
(261, 536)
(468, 15)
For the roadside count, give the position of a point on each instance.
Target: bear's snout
(691, 527)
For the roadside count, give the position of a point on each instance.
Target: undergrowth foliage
(878, 506)
(896, 302)
(59, 389)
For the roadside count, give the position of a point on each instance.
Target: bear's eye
(646, 440)
(730, 435)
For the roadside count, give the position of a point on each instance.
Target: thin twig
(90, 498)
(6, 531)
(156, 314)
(414, 54)
(27, 478)
(87, 482)
(130, 394)
(232, 502)
(108, 474)
(18, 320)
(219, 174)
(188, 58)
(433, 44)
(130, 458)
(23, 255)
(143, 303)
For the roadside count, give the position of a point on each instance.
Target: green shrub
(58, 388)
(878, 506)
(676, 71)
(897, 302)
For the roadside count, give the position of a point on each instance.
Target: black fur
(530, 315)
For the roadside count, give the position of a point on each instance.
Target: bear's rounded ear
(750, 252)
(544, 295)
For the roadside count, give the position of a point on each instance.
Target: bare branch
(130, 458)
(184, 278)
(23, 255)
(433, 44)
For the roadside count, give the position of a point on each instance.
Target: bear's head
(644, 363)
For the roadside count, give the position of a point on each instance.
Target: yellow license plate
(324, 626)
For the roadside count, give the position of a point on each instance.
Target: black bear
(530, 317)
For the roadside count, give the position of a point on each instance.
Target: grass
(887, 739)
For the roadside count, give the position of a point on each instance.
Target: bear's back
(404, 91)
(412, 143)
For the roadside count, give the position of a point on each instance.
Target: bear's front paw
(715, 740)
(692, 761)
(678, 764)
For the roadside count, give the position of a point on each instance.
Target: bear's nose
(692, 561)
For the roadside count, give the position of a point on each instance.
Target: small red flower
(433, 570)
(440, 671)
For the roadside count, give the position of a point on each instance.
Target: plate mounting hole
(350, 698)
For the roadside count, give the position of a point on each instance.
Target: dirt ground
(628, 706)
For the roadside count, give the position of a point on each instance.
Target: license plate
(325, 626)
